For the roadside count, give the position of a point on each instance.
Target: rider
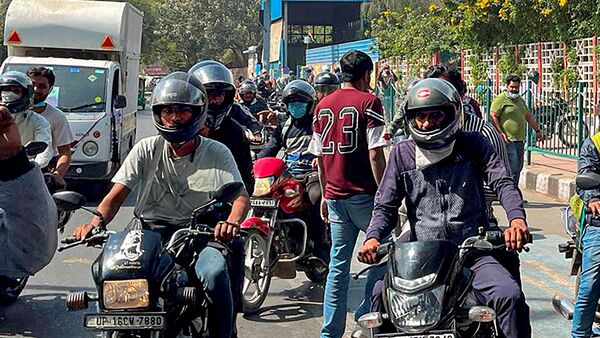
(263, 88)
(325, 84)
(250, 98)
(178, 171)
(218, 81)
(221, 122)
(589, 293)
(16, 91)
(62, 137)
(27, 213)
(440, 172)
(294, 137)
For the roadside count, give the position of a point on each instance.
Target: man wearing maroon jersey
(348, 141)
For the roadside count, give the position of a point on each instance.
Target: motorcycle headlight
(125, 294)
(416, 311)
(414, 284)
(262, 186)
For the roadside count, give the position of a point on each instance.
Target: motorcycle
(427, 289)
(556, 118)
(572, 249)
(143, 288)
(32, 149)
(277, 242)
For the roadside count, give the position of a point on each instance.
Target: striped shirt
(474, 123)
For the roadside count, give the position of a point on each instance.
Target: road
(293, 308)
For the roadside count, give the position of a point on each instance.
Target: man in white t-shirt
(16, 94)
(43, 81)
(177, 172)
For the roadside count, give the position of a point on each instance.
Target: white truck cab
(93, 48)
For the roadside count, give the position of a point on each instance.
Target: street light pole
(266, 35)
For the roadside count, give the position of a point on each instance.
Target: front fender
(256, 223)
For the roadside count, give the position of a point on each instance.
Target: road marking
(77, 260)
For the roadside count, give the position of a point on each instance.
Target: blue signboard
(332, 54)
(276, 9)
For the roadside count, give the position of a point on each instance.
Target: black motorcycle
(572, 249)
(145, 288)
(427, 290)
(557, 118)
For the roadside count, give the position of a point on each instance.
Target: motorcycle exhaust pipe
(564, 306)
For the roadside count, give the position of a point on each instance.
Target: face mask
(8, 96)
(297, 109)
(40, 104)
(512, 95)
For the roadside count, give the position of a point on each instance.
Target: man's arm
(239, 208)
(245, 118)
(531, 121)
(495, 117)
(377, 159)
(272, 148)
(43, 133)
(64, 160)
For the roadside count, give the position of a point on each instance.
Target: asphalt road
(294, 307)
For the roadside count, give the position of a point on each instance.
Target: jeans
(347, 217)
(515, 151)
(212, 271)
(589, 284)
(493, 286)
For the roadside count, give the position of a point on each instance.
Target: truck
(93, 48)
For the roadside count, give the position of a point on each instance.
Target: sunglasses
(431, 116)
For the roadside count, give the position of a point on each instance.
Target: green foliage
(478, 70)
(565, 78)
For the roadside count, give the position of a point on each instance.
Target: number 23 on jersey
(340, 137)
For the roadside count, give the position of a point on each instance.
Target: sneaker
(360, 332)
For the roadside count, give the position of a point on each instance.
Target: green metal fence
(566, 118)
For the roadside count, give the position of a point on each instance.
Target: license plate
(427, 335)
(263, 202)
(129, 321)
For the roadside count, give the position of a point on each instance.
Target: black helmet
(326, 82)
(431, 94)
(215, 77)
(248, 86)
(299, 91)
(183, 89)
(9, 99)
(261, 84)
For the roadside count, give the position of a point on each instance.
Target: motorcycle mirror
(35, 147)
(228, 192)
(587, 180)
(68, 200)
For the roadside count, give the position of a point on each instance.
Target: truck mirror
(119, 102)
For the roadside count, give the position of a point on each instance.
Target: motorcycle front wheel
(11, 288)
(567, 131)
(257, 274)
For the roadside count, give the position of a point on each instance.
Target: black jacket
(231, 134)
(589, 160)
(256, 106)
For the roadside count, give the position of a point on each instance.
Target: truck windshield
(77, 89)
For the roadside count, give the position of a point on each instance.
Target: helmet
(184, 89)
(248, 86)
(16, 103)
(299, 91)
(261, 84)
(430, 94)
(326, 82)
(215, 77)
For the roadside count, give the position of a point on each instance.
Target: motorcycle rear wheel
(567, 131)
(257, 271)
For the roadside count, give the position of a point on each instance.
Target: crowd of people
(447, 173)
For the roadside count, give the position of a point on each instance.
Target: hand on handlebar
(368, 252)
(517, 235)
(10, 141)
(594, 205)
(83, 232)
(226, 231)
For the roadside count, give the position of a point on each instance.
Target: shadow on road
(542, 205)
(47, 318)
(287, 313)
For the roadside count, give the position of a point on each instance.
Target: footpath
(550, 175)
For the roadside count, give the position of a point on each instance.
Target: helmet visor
(10, 94)
(430, 121)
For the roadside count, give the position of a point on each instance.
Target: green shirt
(512, 116)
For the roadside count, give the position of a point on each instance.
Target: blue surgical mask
(40, 104)
(512, 95)
(297, 109)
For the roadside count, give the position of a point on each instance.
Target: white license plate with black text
(125, 321)
(263, 202)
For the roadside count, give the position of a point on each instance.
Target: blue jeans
(589, 284)
(212, 271)
(515, 150)
(347, 218)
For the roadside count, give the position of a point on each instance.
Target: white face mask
(512, 95)
(8, 96)
(425, 158)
